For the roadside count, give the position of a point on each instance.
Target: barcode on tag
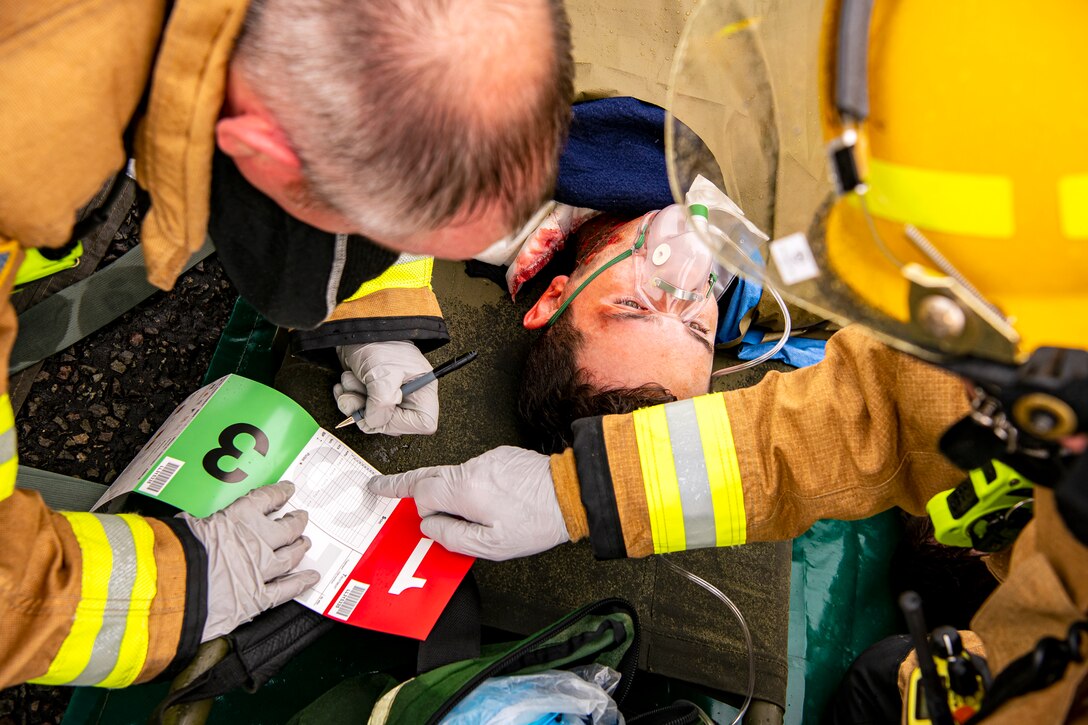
(348, 600)
(161, 476)
(793, 257)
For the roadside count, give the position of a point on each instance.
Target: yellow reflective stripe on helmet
(410, 271)
(75, 652)
(722, 469)
(9, 459)
(107, 645)
(1073, 205)
(133, 650)
(979, 205)
(659, 479)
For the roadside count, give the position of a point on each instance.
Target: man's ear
(539, 314)
(253, 138)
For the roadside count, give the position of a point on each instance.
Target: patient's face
(627, 345)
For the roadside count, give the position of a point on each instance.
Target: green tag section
(220, 448)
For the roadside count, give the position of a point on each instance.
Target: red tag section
(403, 581)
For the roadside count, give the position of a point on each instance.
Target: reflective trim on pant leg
(75, 652)
(723, 469)
(9, 460)
(691, 474)
(659, 478)
(134, 644)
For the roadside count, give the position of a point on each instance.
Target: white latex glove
(497, 506)
(373, 374)
(250, 557)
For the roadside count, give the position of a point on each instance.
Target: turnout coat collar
(175, 140)
(291, 272)
(66, 111)
(67, 126)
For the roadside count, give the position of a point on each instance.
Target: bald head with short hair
(411, 114)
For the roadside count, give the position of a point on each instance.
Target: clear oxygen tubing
(786, 330)
(770, 353)
(743, 628)
(787, 327)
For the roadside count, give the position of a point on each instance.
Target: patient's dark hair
(555, 392)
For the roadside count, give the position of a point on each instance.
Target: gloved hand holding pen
(372, 379)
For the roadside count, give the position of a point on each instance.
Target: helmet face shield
(722, 120)
(959, 237)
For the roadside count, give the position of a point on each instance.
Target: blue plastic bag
(551, 697)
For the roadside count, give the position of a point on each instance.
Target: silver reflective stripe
(107, 645)
(405, 258)
(339, 259)
(691, 475)
(7, 445)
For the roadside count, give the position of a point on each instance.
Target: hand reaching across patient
(500, 505)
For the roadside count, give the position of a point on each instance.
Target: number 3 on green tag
(228, 448)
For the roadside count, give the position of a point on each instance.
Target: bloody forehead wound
(596, 234)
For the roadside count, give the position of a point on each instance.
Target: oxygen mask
(674, 272)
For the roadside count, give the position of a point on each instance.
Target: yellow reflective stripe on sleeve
(1073, 205)
(410, 271)
(107, 644)
(659, 479)
(75, 652)
(976, 204)
(133, 651)
(723, 469)
(9, 460)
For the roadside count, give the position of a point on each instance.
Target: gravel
(93, 406)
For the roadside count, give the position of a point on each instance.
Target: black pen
(416, 383)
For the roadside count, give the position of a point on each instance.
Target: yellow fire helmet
(921, 166)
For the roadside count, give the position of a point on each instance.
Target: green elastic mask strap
(622, 256)
(619, 258)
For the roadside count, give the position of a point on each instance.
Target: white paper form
(345, 517)
(377, 570)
